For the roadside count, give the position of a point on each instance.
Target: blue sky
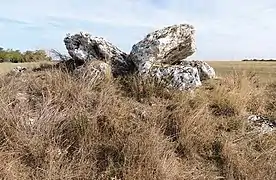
(225, 29)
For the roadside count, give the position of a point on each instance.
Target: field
(265, 70)
(7, 67)
(54, 125)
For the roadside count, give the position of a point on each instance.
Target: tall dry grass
(57, 126)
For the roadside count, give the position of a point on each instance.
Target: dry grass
(265, 70)
(7, 67)
(57, 126)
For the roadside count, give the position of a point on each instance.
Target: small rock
(19, 69)
(262, 123)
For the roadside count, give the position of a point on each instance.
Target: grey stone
(85, 48)
(176, 76)
(19, 69)
(205, 70)
(262, 123)
(168, 46)
(161, 54)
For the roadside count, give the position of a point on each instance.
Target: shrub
(15, 56)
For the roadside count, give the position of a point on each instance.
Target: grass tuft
(55, 125)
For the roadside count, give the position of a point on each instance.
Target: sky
(225, 29)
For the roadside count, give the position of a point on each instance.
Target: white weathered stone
(168, 46)
(205, 70)
(161, 54)
(262, 124)
(19, 69)
(176, 76)
(85, 48)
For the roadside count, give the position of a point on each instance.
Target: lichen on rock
(177, 76)
(161, 54)
(168, 46)
(205, 70)
(85, 48)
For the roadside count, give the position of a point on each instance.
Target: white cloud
(228, 28)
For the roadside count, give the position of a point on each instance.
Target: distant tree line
(259, 60)
(16, 56)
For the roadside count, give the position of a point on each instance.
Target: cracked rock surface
(167, 46)
(85, 48)
(161, 54)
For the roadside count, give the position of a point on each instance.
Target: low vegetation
(6, 67)
(264, 70)
(259, 60)
(15, 56)
(57, 126)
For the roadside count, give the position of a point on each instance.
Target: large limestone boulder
(85, 48)
(168, 46)
(205, 70)
(176, 76)
(161, 54)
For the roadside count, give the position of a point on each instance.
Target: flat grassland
(263, 69)
(222, 68)
(7, 67)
